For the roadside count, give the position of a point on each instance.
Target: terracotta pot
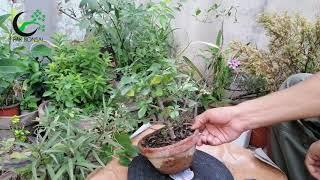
(259, 137)
(10, 110)
(173, 158)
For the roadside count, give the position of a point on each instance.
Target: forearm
(299, 101)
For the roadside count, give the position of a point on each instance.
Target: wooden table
(241, 162)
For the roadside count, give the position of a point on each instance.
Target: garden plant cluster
(127, 71)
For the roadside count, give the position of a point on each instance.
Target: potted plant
(11, 67)
(164, 93)
(9, 104)
(170, 149)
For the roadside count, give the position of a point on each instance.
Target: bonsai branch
(166, 121)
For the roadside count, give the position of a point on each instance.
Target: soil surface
(162, 137)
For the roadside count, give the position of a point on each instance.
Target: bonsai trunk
(166, 121)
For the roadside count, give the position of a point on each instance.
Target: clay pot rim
(165, 148)
(9, 107)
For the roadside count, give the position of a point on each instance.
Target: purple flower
(233, 63)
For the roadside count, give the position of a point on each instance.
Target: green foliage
(135, 35)
(65, 149)
(13, 64)
(19, 132)
(79, 74)
(294, 48)
(159, 90)
(41, 50)
(217, 75)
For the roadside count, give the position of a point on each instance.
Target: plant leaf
(198, 11)
(60, 172)
(142, 112)
(219, 39)
(123, 139)
(70, 168)
(41, 50)
(11, 66)
(50, 171)
(193, 67)
(47, 93)
(156, 80)
(3, 18)
(124, 161)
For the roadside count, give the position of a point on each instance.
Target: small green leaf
(123, 139)
(124, 161)
(156, 80)
(132, 152)
(106, 153)
(47, 93)
(163, 21)
(198, 11)
(35, 66)
(125, 89)
(131, 93)
(219, 39)
(142, 112)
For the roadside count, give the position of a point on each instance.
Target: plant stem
(166, 121)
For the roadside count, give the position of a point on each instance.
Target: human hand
(313, 160)
(218, 126)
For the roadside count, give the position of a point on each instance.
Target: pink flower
(233, 63)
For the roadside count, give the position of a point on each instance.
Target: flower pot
(173, 158)
(259, 137)
(10, 110)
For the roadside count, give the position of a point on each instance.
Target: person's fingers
(199, 143)
(212, 140)
(200, 121)
(312, 166)
(204, 139)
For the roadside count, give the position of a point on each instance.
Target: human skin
(223, 125)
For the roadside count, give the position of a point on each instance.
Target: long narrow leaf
(97, 158)
(34, 170)
(52, 140)
(59, 174)
(50, 171)
(54, 158)
(193, 67)
(70, 169)
(206, 43)
(219, 39)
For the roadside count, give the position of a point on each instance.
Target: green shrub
(65, 148)
(79, 74)
(294, 48)
(136, 35)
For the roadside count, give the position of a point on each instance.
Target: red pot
(173, 158)
(259, 137)
(10, 110)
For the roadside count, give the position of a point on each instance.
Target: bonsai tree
(161, 91)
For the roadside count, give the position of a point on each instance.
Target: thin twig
(70, 16)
